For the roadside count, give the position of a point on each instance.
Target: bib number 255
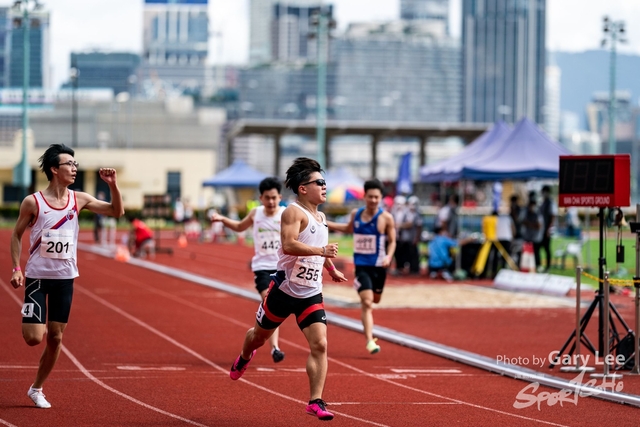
(308, 273)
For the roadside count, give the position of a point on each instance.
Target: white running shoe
(38, 398)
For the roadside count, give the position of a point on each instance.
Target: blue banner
(404, 185)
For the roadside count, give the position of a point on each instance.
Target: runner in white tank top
(54, 240)
(266, 239)
(297, 285)
(52, 265)
(303, 274)
(265, 220)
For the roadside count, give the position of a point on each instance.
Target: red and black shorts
(277, 306)
(59, 293)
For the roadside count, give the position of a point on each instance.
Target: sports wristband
(16, 269)
(333, 267)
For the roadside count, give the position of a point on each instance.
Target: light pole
(74, 74)
(323, 23)
(613, 31)
(22, 174)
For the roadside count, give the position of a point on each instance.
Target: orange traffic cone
(527, 259)
(122, 254)
(182, 241)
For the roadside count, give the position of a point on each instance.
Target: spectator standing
(448, 216)
(548, 214)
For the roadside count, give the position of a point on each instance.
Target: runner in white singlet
(265, 220)
(51, 268)
(297, 285)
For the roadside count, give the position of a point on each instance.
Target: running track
(143, 348)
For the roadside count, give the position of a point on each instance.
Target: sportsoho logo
(530, 395)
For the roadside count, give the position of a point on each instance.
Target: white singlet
(303, 274)
(266, 239)
(53, 240)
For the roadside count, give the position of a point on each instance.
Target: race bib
(57, 244)
(268, 242)
(364, 244)
(308, 272)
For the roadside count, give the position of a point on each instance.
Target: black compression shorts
(369, 277)
(262, 279)
(60, 294)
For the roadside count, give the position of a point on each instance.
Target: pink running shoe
(317, 408)
(239, 366)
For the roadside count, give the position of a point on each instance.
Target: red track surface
(143, 348)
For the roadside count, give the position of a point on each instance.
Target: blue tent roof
(239, 174)
(484, 146)
(526, 153)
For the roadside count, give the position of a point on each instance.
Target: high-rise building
(504, 59)
(261, 19)
(106, 70)
(291, 27)
(175, 42)
(400, 71)
(552, 100)
(39, 75)
(437, 10)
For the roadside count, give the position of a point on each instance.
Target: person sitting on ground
(141, 243)
(440, 260)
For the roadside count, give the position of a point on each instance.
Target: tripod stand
(613, 337)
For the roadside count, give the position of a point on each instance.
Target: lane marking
(426, 371)
(6, 423)
(199, 356)
(392, 403)
(140, 368)
(298, 370)
(100, 383)
(142, 285)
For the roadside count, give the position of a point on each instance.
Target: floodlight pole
(23, 172)
(321, 98)
(611, 30)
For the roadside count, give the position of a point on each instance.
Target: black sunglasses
(318, 182)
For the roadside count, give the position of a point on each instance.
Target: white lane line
(123, 395)
(140, 368)
(200, 357)
(426, 371)
(6, 423)
(142, 285)
(392, 403)
(103, 385)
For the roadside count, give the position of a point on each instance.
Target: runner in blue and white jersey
(374, 242)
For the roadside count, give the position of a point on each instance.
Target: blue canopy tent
(239, 174)
(525, 154)
(450, 170)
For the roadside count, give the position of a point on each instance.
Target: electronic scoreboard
(599, 181)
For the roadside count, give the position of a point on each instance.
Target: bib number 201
(57, 247)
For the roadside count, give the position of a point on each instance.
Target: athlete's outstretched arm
(233, 224)
(28, 212)
(115, 208)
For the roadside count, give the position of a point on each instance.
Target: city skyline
(116, 25)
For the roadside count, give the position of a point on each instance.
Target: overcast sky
(81, 25)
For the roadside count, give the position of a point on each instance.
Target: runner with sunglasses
(51, 268)
(296, 288)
